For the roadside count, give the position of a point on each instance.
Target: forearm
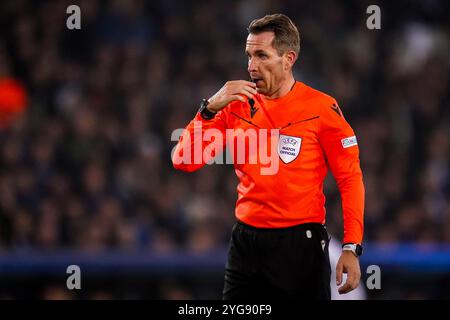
(200, 141)
(353, 196)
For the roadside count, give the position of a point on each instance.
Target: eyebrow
(256, 52)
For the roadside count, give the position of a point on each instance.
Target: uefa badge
(289, 148)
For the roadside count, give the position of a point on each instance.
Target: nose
(252, 65)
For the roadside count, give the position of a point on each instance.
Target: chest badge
(289, 148)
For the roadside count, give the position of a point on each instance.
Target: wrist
(212, 105)
(210, 108)
(205, 110)
(354, 248)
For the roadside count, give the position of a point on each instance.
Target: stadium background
(85, 172)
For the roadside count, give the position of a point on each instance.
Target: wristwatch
(357, 249)
(204, 112)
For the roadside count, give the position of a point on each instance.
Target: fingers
(233, 90)
(250, 90)
(346, 288)
(243, 87)
(243, 84)
(237, 97)
(351, 283)
(247, 92)
(237, 84)
(339, 271)
(247, 83)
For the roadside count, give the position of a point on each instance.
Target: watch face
(359, 249)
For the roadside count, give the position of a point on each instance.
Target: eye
(262, 56)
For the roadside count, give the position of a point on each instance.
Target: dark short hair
(286, 33)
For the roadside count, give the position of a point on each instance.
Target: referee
(279, 244)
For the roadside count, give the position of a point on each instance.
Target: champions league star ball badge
(289, 148)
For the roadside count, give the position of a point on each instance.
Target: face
(266, 67)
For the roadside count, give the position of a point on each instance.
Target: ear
(289, 59)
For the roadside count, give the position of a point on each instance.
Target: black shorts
(286, 263)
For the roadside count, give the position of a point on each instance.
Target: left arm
(340, 146)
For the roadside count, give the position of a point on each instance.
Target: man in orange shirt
(279, 245)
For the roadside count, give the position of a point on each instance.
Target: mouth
(257, 81)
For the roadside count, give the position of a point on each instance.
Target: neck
(286, 86)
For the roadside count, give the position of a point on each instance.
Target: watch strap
(204, 112)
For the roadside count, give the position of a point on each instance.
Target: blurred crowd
(88, 166)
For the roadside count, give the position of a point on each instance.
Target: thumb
(339, 270)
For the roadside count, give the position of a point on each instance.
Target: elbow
(353, 184)
(179, 164)
(184, 167)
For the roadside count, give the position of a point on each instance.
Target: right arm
(202, 139)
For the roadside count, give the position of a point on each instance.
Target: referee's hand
(232, 90)
(348, 263)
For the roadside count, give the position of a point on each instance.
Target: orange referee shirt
(313, 136)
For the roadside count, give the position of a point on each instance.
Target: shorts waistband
(298, 227)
